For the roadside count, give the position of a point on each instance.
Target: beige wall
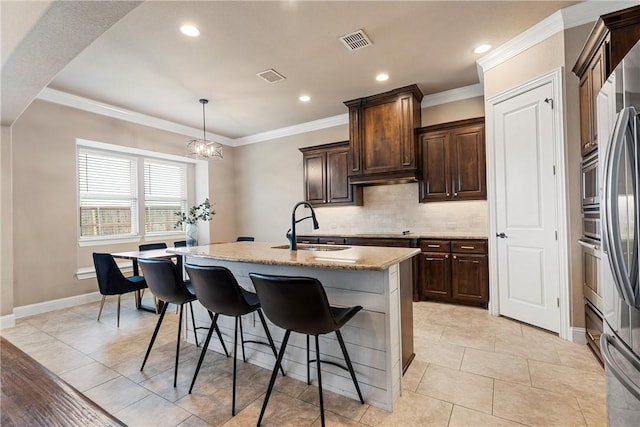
(46, 252)
(6, 226)
(560, 50)
(457, 110)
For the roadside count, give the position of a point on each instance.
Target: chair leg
(274, 374)
(224, 347)
(175, 372)
(118, 322)
(319, 381)
(155, 334)
(266, 331)
(235, 346)
(193, 321)
(244, 358)
(104, 297)
(349, 365)
(308, 363)
(204, 350)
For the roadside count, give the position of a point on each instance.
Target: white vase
(192, 235)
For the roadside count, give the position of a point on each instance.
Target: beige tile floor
(470, 369)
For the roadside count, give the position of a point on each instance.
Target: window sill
(108, 241)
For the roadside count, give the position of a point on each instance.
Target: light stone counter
(378, 279)
(346, 257)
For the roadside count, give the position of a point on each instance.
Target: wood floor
(34, 396)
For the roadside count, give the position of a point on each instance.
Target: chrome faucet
(291, 233)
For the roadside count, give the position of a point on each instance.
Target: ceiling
(143, 63)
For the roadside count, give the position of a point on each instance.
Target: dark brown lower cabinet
(454, 271)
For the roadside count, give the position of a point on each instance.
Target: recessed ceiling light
(190, 30)
(305, 98)
(382, 77)
(482, 48)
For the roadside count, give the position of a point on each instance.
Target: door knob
(501, 235)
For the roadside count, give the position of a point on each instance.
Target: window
(128, 194)
(107, 194)
(165, 193)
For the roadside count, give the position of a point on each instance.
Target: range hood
(383, 142)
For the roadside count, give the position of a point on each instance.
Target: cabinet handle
(432, 259)
(455, 257)
(330, 243)
(448, 194)
(433, 246)
(467, 247)
(455, 194)
(594, 338)
(305, 241)
(446, 256)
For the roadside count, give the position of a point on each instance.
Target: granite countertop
(420, 235)
(348, 258)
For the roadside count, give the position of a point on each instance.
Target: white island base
(372, 337)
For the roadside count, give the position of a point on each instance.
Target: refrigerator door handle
(607, 340)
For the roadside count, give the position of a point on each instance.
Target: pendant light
(203, 149)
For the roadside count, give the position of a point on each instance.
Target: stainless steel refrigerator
(618, 109)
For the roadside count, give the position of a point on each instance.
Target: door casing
(564, 280)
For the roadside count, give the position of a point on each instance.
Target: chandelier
(203, 149)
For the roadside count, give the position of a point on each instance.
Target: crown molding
(86, 104)
(465, 92)
(572, 16)
(340, 119)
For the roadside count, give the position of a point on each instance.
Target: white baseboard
(57, 304)
(8, 321)
(578, 335)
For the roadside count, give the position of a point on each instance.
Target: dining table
(134, 256)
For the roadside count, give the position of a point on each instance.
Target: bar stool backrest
(217, 290)
(298, 304)
(150, 246)
(164, 282)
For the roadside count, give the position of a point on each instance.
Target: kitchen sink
(305, 247)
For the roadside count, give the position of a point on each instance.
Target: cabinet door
(468, 163)
(315, 178)
(469, 277)
(338, 188)
(381, 145)
(435, 270)
(585, 113)
(597, 77)
(435, 184)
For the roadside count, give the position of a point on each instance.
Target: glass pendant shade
(204, 149)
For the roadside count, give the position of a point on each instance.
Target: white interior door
(525, 189)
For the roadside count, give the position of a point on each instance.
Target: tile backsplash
(395, 208)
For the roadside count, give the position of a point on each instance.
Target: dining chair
(300, 304)
(111, 281)
(218, 291)
(245, 239)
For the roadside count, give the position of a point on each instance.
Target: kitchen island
(379, 279)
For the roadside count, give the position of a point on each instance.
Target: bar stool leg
(266, 331)
(155, 334)
(244, 358)
(319, 381)
(175, 371)
(224, 347)
(349, 365)
(308, 362)
(235, 347)
(118, 323)
(193, 321)
(101, 305)
(274, 374)
(204, 350)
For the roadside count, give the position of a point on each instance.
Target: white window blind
(165, 194)
(107, 194)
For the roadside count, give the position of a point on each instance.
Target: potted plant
(201, 212)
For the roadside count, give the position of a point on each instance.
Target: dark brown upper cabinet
(382, 132)
(612, 36)
(453, 161)
(326, 171)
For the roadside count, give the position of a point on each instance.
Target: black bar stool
(218, 291)
(165, 282)
(300, 304)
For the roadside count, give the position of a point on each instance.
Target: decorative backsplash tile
(395, 208)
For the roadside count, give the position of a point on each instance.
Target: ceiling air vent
(271, 75)
(356, 40)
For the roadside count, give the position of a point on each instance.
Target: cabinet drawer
(469, 246)
(435, 246)
(594, 327)
(307, 239)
